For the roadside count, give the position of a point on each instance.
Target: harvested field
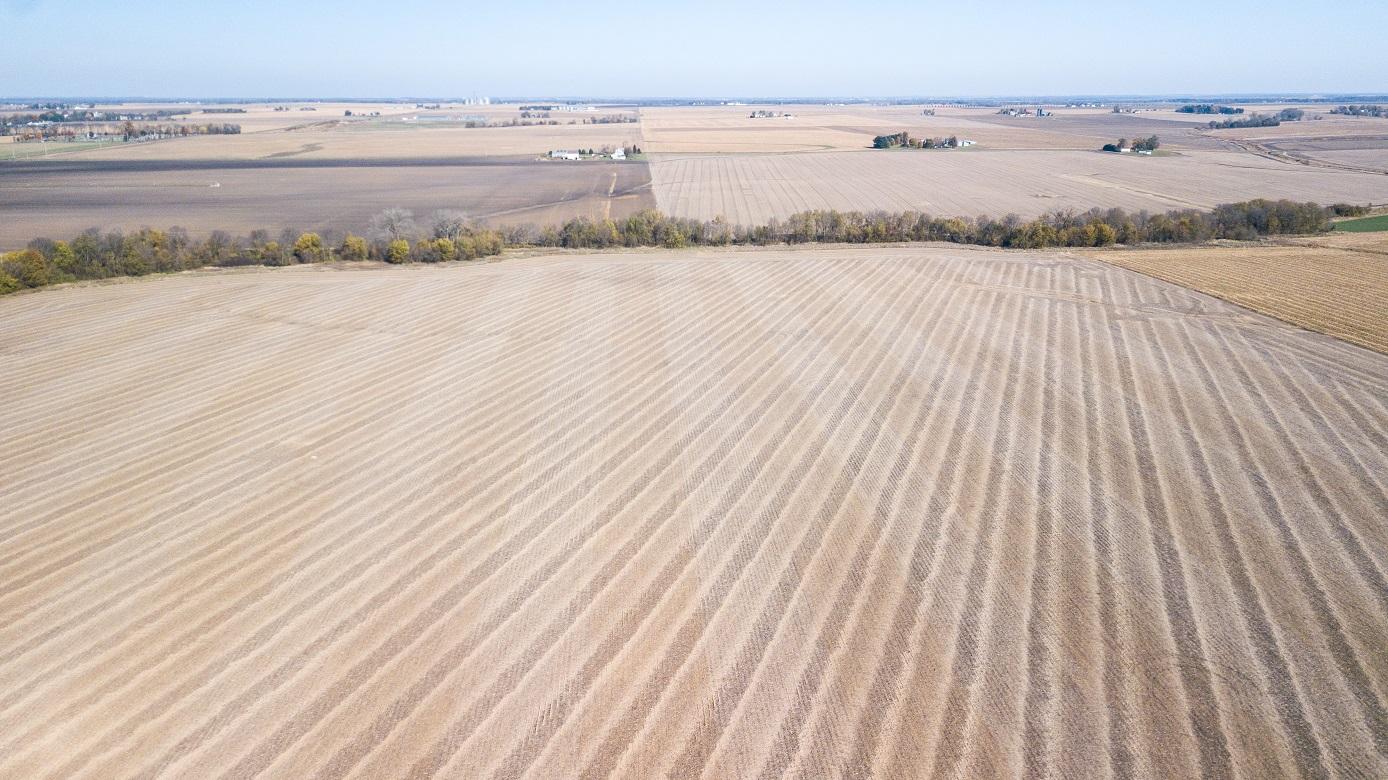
(1332, 284)
(368, 140)
(708, 161)
(58, 199)
(729, 129)
(1100, 128)
(831, 512)
(1375, 159)
(752, 189)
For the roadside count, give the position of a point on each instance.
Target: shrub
(271, 254)
(353, 248)
(437, 250)
(398, 251)
(309, 249)
(9, 284)
(27, 267)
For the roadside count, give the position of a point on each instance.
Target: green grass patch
(28, 149)
(1364, 225)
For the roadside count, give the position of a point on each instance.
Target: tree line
(84, 116)
(1260, 120)
(1149, 144)
(393, 236)
(905, 140)
(126, 131)
(1355, 110)
(133, 132)
(1208, 108)
(1097, 227)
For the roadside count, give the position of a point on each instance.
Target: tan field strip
(828, 512)
(1336, 284)
(753, 189)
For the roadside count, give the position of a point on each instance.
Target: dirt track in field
(898, 512)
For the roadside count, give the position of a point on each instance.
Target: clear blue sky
(526, 47)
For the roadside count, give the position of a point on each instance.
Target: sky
(443, 48)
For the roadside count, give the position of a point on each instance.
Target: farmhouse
(619, 154)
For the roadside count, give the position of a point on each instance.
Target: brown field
(60, 200)
(373, 140)
(751, 189)
(320, 171)
(1335, 284)
(729, 129)
(260, 117)
(900, 512)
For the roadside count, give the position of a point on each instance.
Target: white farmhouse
(619, 154)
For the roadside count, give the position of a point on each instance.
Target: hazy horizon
(1327, 96)
(257, 49)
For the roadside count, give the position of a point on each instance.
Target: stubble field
(902, 511)
(752, 189)
(713, 161)
(1335, 284)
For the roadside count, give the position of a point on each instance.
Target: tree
(9, 284)
(448, 224)
(398, 251)
(1104, 234)
(308, 248)
(393, 224)
(63, 260)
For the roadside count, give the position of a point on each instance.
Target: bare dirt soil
(894, 512)
(58, 199)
